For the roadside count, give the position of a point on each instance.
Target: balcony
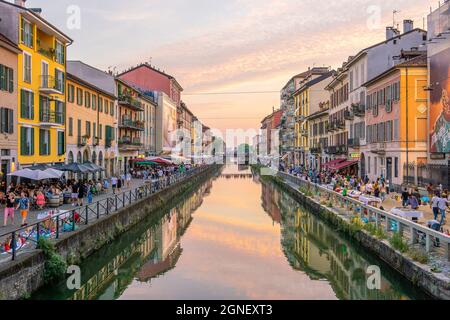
(130, 144)
(82, 141)
(316, 150)
(340, 124)
(95, 141)
(342, 149)
(304, 132)
(358, 109)
(131, 125)
(50, 85)
(130, 102)
(50, 118)
(354, 143)
(108, 142)
(348, 115)
(378, 148)
(332, 150)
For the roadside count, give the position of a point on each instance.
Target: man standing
(442, 205)
(24, 207)
(114, 184)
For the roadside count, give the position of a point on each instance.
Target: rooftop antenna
(394, 12)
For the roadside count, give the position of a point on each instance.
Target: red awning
(343, 165)
(333, 162)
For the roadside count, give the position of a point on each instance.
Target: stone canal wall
(434, 284)
(19, 278)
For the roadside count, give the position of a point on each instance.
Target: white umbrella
(32, 174)
(55, 173)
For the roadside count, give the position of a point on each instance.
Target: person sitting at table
(40, 200)
(405, 197)
(413, 202)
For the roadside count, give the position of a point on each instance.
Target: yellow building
(41, 83)
(397, 121)
(91, 117)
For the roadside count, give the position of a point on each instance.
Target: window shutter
(22, 103)
(10, 121)
(22, 30)
(32, 106)
(49, 143)
(32, 142)
(2, 120)
(23, 141)
(11, 80)
(41, 142)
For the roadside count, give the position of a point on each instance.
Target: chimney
(38, 11)
(408, 25)
(20, 3)
(391, 32)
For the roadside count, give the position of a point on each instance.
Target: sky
(213, 46)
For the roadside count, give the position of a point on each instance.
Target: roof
(364, 51)
(8, 44)
(315, 81)
(417, 62)
(91, 76)
(38, 17)
(300, 75)
(148, 66)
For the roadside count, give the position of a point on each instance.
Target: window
(27, 33)
(7, 120)
(396, 167)
(59, 52)
(111, 108)
(389, 131)
(100, 104)
(396, 133)
(94, 102)
(70, 93)
(60, 112)
(6, 79)
(368, 165)
(106, 106)
(26, 104)
(100, 131)
(88, 129)
(351, 80)
(87, 99)
(26, 67)
(70, 127)
(61, 144)
(44, 142)
(79, 96)
(421, 130)
(79, 127)
(376, 164)
(59, 80)
(95, 130)
(26, 141)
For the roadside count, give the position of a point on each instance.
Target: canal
(236, 237)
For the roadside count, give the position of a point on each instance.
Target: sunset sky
(228, 46)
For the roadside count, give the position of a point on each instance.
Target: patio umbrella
(146, 163)
(36, 175)
(56, 173)
(159, 160)
(93, 166)
(41, 167)
(75, 167)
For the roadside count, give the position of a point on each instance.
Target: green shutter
(2, 77)
(41, 140)
(32, 142)
(10, 121)
(32, 106)
(22, 103)
(23, 141)
(11, 80)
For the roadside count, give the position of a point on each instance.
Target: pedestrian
(9, 209)
(442, 205)
(434, 204)
(74, 195)
(405, 197)
(114, 184)
(24, 207)
(89, 194)
(128, 178)
(81, 192)
(413, 202)
(119, 185)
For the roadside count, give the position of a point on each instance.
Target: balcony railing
(358, 109)
(51, 85)
(316, 150)
(130, 143)
(48, 117)
(348, 115)
(331, 150)
(342, 149)
(131, 124)
(130, 102)
(82, 141)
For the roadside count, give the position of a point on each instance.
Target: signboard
(355, 156)
(439, 117)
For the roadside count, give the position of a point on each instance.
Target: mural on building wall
(169, 126)
(440, 102)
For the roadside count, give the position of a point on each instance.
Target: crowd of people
(30, 195)
(348, 180)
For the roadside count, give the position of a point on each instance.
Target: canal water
(236, 237)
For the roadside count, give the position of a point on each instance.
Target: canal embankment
(24, 275)
(423, 275)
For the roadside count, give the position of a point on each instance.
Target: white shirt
(442, 203)
(434, 202)
(113, 180)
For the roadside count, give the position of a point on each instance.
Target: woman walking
(9, 209)
(24, 206)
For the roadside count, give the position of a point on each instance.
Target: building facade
(130, 123)
(9, 52)
(92, 114)
(41, 83)
(397, 122)
(149, 118)
(318, 135)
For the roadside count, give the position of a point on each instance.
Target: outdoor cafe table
(354, 194)
(407, 213)
(366, 199)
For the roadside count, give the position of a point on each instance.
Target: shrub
(375, 231)
(418, 255)
(398, 243)
(55, 267)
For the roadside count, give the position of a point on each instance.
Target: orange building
(396, 121)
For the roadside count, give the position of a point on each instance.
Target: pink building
(150, 79)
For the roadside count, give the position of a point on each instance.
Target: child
(24, 206)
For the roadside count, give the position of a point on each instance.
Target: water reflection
(312, 246)
(245, 239)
